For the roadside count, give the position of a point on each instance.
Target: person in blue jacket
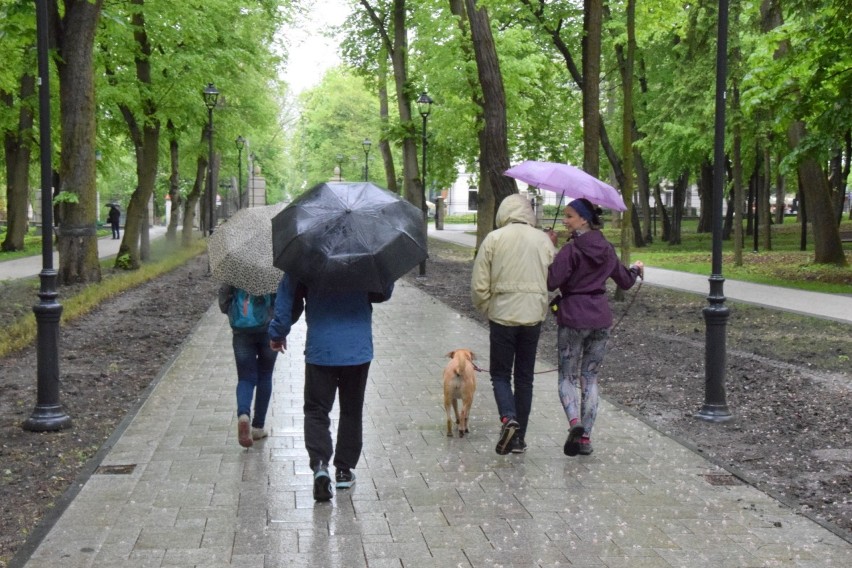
(338, 352)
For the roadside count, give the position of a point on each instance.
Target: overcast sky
(311, 54)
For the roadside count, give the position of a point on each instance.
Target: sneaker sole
(345, 484)
(244, 433)
(506, 437)
(322, 486)
(572, 444)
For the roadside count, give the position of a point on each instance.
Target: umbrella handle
(558, 205)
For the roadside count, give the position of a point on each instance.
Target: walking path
(32, 265)
(173, 487)
(829, 306)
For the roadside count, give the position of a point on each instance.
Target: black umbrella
(348, 236)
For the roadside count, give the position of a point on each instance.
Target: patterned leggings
(581, 352)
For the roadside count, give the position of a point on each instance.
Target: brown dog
(459, 384)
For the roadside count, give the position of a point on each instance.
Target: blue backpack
(247, 311)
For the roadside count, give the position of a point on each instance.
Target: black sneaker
(344, 478)
(572, 444)
(518, 445)
(507, 431)
(322, 485)
(586, 447)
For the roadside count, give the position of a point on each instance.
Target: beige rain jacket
(509, 283)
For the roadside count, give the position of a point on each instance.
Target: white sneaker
(244, 431)
(258, 433)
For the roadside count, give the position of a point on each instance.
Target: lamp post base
(47, 418)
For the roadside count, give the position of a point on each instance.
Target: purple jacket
(580, 271)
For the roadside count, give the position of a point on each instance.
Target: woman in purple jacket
(580, 271)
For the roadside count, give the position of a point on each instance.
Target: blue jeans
(255, 361)
(322, 383)
(513, 347)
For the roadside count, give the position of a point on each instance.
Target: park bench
(846, 237)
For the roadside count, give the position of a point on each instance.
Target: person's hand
(552, 234)
(639, 268)
(279, 346)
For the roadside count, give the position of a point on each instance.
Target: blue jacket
(340, 323)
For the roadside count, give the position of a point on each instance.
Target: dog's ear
(451, 354)
(472, 355)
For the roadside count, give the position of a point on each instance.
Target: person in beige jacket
(509, 285)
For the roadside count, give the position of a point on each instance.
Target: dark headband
(582, 210)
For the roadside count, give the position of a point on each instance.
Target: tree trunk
(537, 12)
(397, 47)
(384, 116)
(77, 242)
(828, 249)
(662, 213)
(18, 148)
(494, 145)
(630, 222)
(813, 184)
(678, 196)
(737, 169)
(780, 194)
(193, 197)
(174, 182)
(485, 209)
(705, 191)
(146, 141)
(764, 214)
(592, 17)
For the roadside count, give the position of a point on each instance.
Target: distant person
(249, 317)
(580, 271)
(338, 352)
(114, 217)
(509, 285)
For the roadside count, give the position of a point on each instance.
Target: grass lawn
(784, 265)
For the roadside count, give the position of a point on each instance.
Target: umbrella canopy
(240, 250)
(567, 180)
(349, 236)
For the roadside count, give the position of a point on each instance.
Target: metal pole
(48, 415)
(423, 191)
(211, 198)
(715, 408)
(240, 177)
(366, 163)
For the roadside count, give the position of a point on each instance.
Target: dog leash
(611, 330)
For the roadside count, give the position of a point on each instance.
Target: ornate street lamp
(48, 415)
(240, 142)
(715, 408)
(211, 95)
(366, 144)
(424, 105)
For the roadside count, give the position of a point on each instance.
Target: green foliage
(66, 197)
(336, 116)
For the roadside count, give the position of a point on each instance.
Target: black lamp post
(240, 142)
(366, 144)
(339, 159)
(424, 105)
(48, 415)
(211, 95)
(715, 408)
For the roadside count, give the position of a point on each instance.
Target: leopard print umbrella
(240, 250)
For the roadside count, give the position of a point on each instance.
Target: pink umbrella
(567, 180)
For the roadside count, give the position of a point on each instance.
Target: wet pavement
(174, 488)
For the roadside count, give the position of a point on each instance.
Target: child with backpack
(249, 316)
